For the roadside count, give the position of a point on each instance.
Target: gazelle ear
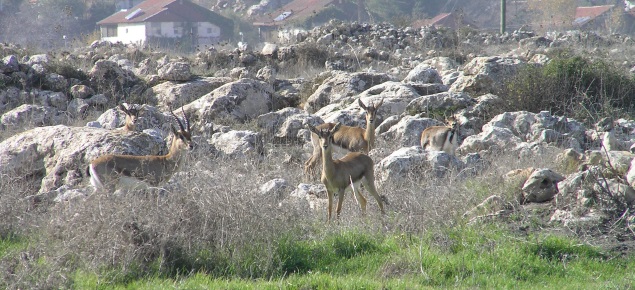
(312, 129)
(123, 108)
(361, 104)
(336, 127)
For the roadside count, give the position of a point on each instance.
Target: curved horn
(361, 104)
(187, 122)
(380, 103)
(178, 121)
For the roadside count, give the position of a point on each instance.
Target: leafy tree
(51, 20)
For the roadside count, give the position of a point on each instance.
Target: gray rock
(175, 71)
(51, 154)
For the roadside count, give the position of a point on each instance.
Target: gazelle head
(452, 122)
(371, 110)
(325, 135)
(183, 136)
(132, 114)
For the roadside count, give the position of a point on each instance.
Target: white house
(162, 20)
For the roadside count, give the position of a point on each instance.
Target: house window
(126, 30)
(209, 30)
(155, 28)
(109, 31)
(178, 28)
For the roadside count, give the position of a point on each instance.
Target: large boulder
(412, 160)
(106, 75)
(440, 104)
(485, 75)
(492, 138)
(423, 73)
(175, 71)
(30, 116)
(407, 132)
(81, 91)
(507, 130)
(172, 94)
(149, 117)
(541, 185)
(287, 123)
(341, 86)
(238, 143)
(57, 100)
(244, 99)
(59, 155)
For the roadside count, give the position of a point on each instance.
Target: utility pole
(503, 15)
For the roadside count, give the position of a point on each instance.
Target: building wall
(129, 33)
(208, 33)
(207, 29)
(132, 33)
(167, 29)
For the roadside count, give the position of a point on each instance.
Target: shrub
(310, 54)
(573, 86)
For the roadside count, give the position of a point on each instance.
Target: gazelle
(118, 171)
(337, 175)
(132, 114)
(354, 139)
(442, 138)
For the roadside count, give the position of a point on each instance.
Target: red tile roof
(445, 20)
(586, 14)
(295, 10)
(163, 11)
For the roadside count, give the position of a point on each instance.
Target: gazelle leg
(357, 191)
(340, 201)
(330, 205)
(369, 184)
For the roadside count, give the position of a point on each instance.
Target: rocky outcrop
(58, 155)
(244, 99)
(341, 86)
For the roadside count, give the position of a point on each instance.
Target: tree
(50, 20)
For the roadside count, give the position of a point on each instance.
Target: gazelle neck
(328, 167)
(370, 134)
(129, 126)
(176, 150)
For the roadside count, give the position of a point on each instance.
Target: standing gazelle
(132, 114)
(442, 138)
(337, 175)
(117, 171)
(354, 139)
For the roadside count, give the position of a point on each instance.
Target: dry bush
(215, 220)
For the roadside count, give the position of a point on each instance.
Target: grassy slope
(466, 257)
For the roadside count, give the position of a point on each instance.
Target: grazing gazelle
(337, 175)
(442, 138)
(354, 139)
(118, 171)
(132, 114)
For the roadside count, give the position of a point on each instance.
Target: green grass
(466, 257)
(10, 243)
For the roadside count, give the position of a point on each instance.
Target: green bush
(574, 86)
(68, 71)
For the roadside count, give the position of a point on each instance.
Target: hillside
(538, 191)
